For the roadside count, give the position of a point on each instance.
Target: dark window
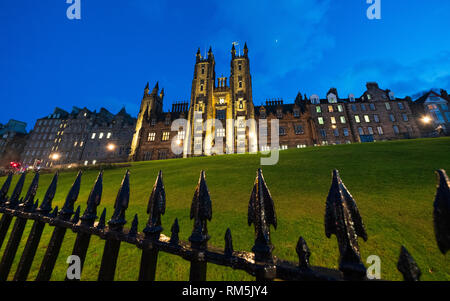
(282, 131)
(299, 129)
(372, 106)
(354, 108)
(396, 130)
(323, 133)
(221, 114)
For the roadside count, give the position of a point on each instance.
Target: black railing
(342, 219)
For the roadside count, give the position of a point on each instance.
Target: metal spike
(35, 206)
(134, 227)
(5, 188)
(407, 266)
(261, 213)
(442, 212)
(228, 243)
(54, 213)
(201, 211)
(120, 206)
(155, 208)
(28, 202)
(67, 209)
(76, 216)
(343, 220)
(102, 220)
(174, 239)
(303, 253)
(90, 214)
(14, 200)
(46, 205)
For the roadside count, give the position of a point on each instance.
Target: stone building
(432, 112)
(41, 141)
(220, 111)
(13, 137)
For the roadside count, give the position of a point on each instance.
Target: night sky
(106, 58)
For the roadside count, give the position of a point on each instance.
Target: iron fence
(342, 219)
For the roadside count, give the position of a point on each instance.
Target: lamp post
(55, 157)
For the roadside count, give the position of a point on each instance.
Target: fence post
(442, 212)
(51, 254)
(155, 208)
(201, 211)
(18, 228)
(87, 220)
(35, 235)
(5, 222)
(342, 219)
(261, 213)
(112, 245)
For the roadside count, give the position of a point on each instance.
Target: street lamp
(111, 147)
(426, 119)
(55, 156)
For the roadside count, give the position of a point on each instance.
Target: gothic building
(221, 117)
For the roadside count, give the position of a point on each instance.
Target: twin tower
(221, 108)
(220, 115)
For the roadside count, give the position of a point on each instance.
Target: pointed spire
(201, 212)
(147, 87)
(198, 56)
(261, 213)
(155, 208)
(102, 221)
(67, 209)
(134, 227)
(76, 217)
(46, 205)
(118, 220)
(156, 88)
(90, 214)
(161, 95)
(228, 243)
(54, 213)
(28, 201)
(174, 239)
(245, 50)
(303, 253)
(408, 266)
(198, 51)
(442, 212)
(343, 220)
(5, 188)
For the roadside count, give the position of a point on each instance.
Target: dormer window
(332, 98)
(315, 99)
(296, 113)
(351, 97)
(369, 97)
(391, 95)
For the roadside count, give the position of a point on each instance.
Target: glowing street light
(55, 156)
(111, 147)
(426, 119)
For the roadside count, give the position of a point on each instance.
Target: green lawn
(393, 184)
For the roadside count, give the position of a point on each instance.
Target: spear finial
(303, 253)
(343, 220)
(46, 205)
(155, 208)
(5, 189)
(67, 210)
(90, 214)
(174, 239)
(442, 212)
(228, 243)
(123, 197)
(261, 213)
(28, 201)
(134, 227)
(14, 200)
(201, 212)
(407, 266)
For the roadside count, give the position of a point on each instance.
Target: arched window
(332, 98)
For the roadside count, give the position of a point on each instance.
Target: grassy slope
(392, 182)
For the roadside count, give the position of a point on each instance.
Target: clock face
(221, 101)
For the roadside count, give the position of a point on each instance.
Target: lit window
(320, 119)
(93, 136)
(380, 130)
(284, 147)
(181, 135)
(108, 136)
(165, 136)
(396, 130)
(343, 119)
(86, 163)
(94, 162)
(340, 109)
(100, 136)
(151, 136)
(330, 109)
(357, 119)
(333, 120)
(220, 133)
(366, 118)
(318, 109)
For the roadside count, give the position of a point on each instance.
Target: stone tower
(219, 112)
(151, 107)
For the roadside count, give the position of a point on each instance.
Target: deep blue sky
(106, 58)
